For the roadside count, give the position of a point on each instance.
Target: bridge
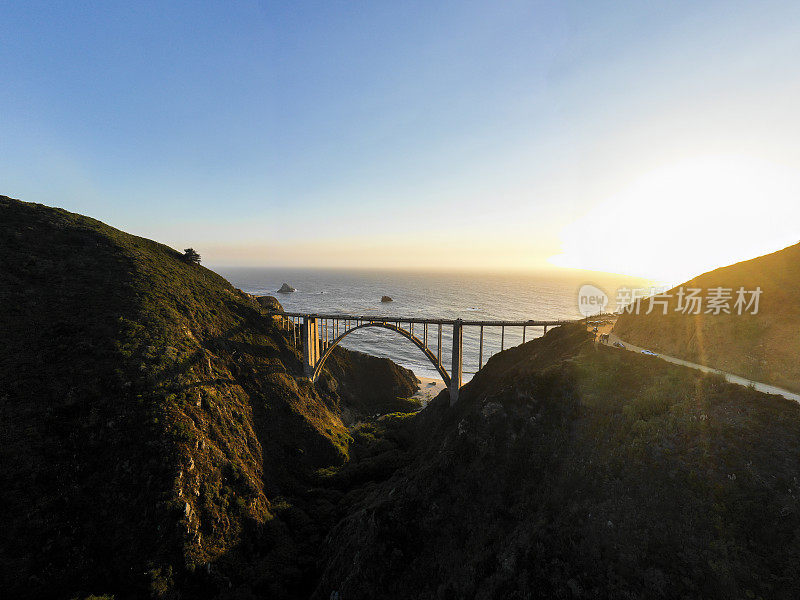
(319, 334)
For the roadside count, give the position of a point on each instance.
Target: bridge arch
(391, 327)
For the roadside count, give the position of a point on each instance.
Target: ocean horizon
(466, 295)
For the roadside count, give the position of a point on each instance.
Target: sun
(686, 218)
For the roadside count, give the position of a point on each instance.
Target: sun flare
(686, 218)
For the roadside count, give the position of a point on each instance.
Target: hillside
(153, 419)
(157, 440)
(762, 347)
(569, 470)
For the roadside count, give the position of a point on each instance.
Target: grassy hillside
(763, 347)
(573, 471)
(157, 441)
(150, 415)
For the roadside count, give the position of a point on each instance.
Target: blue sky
(493, 135)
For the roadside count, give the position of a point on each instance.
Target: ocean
(473, 296)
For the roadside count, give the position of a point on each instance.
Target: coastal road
(761, 387)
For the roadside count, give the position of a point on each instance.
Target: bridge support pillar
(456, 371)
(310, 333)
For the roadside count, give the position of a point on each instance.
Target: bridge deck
(393, 319)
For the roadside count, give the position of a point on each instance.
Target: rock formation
(270, 303)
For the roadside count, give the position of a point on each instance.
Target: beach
(429, 388)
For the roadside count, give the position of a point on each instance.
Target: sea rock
(386, 299)
(286, 288)
(270, 303)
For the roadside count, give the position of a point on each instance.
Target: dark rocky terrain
(153, 421)
(569, 470)
(157, 440)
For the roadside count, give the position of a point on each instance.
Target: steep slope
(763, 347)
(150, 415)
(568, 470)
(156, 440)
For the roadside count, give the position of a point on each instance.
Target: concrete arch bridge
(319, 334)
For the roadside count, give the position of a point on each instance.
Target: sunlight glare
(686, 218)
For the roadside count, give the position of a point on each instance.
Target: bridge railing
(316, 332)
(393, 319)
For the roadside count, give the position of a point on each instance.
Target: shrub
(191, 256)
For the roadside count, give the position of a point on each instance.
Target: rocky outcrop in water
(286, 289)
(386, 299)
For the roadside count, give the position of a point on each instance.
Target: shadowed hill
(150, 414)
(762, 347)
(158, 441)
(568, 470)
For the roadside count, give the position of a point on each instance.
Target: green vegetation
(191, 256)
(569, 470)
(149, 411)
(368, 393)
(158, 441)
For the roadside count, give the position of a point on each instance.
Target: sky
(654, 139)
